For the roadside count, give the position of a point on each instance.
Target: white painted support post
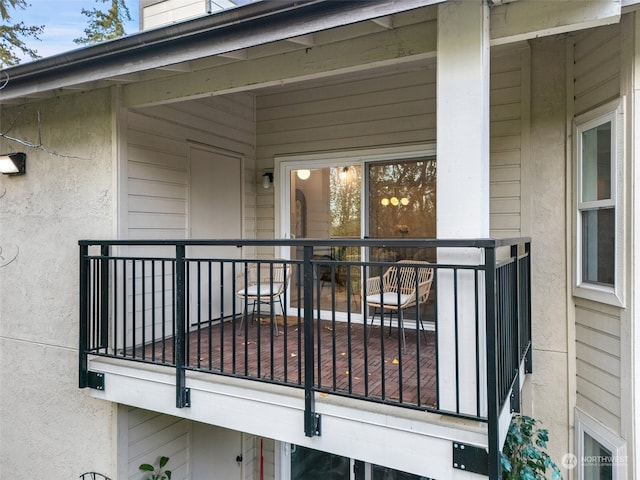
(634, 303)
(463, 193)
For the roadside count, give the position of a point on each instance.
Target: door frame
(285, 164)
(191, 145)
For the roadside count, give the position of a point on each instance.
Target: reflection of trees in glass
(309, 464)
(345, 203)
(402, 199)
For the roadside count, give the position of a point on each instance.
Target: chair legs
(255, 305)
(400, 326)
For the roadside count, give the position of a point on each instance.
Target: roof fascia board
(191, 40)
(525, 20)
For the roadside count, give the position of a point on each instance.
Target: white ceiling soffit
(527, 19)
(57, 75)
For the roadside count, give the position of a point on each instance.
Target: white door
(215, 212)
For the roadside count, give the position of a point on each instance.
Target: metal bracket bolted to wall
(515, 395)
(186, 397)
(317, 424)
(95, 380)
(470, 458)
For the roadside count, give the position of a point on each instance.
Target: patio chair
(399, 288)
(93, 476)
(262, 284)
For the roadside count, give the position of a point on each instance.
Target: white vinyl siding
(509, 115)
(157, 184)
(157, 139)
(598, 363)
(256, 448)
(377, 111)
(596, 81)
(394, 110)
(596, 68)
(149, 436)
(165, 12)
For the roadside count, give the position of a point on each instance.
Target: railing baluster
(84, 316)
(180, 302)
(310, 421)
(493, 406)
(104, 296)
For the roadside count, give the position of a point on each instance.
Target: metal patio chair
(263, 284)
(399, 288)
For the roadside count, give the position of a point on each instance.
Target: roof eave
(226, 31)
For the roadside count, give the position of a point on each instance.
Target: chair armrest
(373, 286)
(424, 289)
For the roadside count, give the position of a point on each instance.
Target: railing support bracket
(185, 398)
(316, 429)
(515, 394)
(470, 458)
(95, 380)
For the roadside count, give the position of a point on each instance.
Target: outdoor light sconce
(267, 179)
(13, 164)
(303, 174)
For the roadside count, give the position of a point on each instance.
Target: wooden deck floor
(345, 362)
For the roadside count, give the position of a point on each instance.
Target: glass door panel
(326, 203)
(401, 200)
(309, 464)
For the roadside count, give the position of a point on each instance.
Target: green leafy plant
(159, 473)
(524, 455)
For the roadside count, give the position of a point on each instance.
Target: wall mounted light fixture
(13, 164)
(303, 174)
(267, 179)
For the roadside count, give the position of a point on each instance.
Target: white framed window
(297, 462)
(599, 225)
(602, 455)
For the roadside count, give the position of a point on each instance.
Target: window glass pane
(598, 246)
(402, 199)
(597, 460)
(596, 163)
(309, 464)
(384, 473)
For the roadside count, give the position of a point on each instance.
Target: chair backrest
(265, 273)
(403, 278)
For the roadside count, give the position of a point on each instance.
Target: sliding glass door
(326, 203)
(376, 198)
(402, 200)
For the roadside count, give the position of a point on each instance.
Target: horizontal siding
(392, 110)
(380, 110)
(152, 435)
(171, 11)
(596, 67)
(596, 72)
(508, 114)
(158, 139)
(598, 364)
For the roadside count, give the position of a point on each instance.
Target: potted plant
(159, 473)
(524, 455)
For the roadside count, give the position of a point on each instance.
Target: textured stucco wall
(49, 427)
(548, 231)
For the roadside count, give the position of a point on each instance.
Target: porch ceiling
(272, 47)
(175, 55)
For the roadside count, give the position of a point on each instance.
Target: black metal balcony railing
(176, 303)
